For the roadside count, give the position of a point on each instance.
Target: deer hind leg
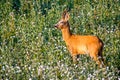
(96, 58)
(101, 58)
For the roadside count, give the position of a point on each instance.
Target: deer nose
(55, 25)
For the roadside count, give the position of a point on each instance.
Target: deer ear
(65, 15)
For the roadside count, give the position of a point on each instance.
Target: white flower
(88, 14)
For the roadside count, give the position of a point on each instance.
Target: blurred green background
(32, 49)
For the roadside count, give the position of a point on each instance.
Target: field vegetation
(31, 48)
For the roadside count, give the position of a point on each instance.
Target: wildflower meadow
(31, 48)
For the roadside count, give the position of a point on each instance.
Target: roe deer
(78, 44)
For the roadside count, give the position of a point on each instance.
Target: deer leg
(74, 57)
(97, 60)
(101, 59)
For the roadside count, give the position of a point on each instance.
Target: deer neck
(66, 33)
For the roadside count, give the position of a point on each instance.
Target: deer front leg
(74, 57)
(72, 51)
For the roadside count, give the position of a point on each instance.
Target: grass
(32, 49)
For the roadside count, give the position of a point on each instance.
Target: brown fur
(78, 44)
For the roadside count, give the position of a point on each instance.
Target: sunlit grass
(32, 49)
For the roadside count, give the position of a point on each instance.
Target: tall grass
(32, 49)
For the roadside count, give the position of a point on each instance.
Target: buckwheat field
(31, 48)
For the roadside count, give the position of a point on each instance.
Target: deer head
(63, 23)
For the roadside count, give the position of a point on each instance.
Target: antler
(64, 13)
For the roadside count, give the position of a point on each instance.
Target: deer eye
(62, 22)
